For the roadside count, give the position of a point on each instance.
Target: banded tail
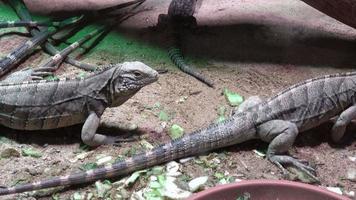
(176, 56)
(32, 24)
(215, 136)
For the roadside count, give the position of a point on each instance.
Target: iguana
(24, 15)
(8, 62)
(180, 17)
(33, 24)
(43, 105)
(277, 120)
(52, 64)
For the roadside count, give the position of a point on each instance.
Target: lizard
(179, 17)
(15, 56)
(45, 104)
(52, 64)
(276, 120)
(33, 24)
(23, 13)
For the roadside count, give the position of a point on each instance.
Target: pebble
(9, 152)
(337, 190)
(351, 174)
(185, 160)
(197, 183)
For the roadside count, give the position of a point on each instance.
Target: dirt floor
(252, 48)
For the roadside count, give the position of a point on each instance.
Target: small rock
(124, 194)
(173, 169)
(80, 156)
(352, 158)
(350, 194)
(172, 191)
(185, 160)
(337, 190)
(351, 174)
(10, 152)
(197, 183)
(104, 160)
(216, 160)
(33, 171)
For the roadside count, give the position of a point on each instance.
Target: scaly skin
(33, 24)
(277, 120)
(52, 64)
(180, 17)
(9, 62)
(43, 105)
(24, 15)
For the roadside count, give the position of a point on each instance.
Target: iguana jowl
(41, 105)
(277, 120)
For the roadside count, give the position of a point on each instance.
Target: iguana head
(128, 78)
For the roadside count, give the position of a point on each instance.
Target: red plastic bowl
(267, 190)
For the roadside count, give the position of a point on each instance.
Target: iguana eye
(137, 74)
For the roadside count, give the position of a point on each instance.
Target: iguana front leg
(281, 135)
(341, 123)
(89, 135)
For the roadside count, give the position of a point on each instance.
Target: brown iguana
(43, 105)
(277, 120)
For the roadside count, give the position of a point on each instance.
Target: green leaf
(221, 113)
(219, 175)
(146, 144)
(163, 116)
(176, 131)
(155, 184)
(4, 140)
(77, 196)
(31, 152)
(157, 170)
(51, 78)
(132, 179)
(161, 179)
(102, 188)
(88, 166)
(82, 75)
(233, 98)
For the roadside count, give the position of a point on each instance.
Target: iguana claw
(40, 75)
(279, 160)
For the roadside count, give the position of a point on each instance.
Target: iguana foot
(279, 160)
(40, 73)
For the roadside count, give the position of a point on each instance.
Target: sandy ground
(251, 47)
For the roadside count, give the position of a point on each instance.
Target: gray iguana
(180, 17)
(277, 120)
(43, 105)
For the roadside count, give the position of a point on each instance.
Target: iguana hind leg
(281, 135)
(341, 123)
(89, 135)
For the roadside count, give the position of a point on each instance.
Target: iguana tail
(226, 133)
(176, 56)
